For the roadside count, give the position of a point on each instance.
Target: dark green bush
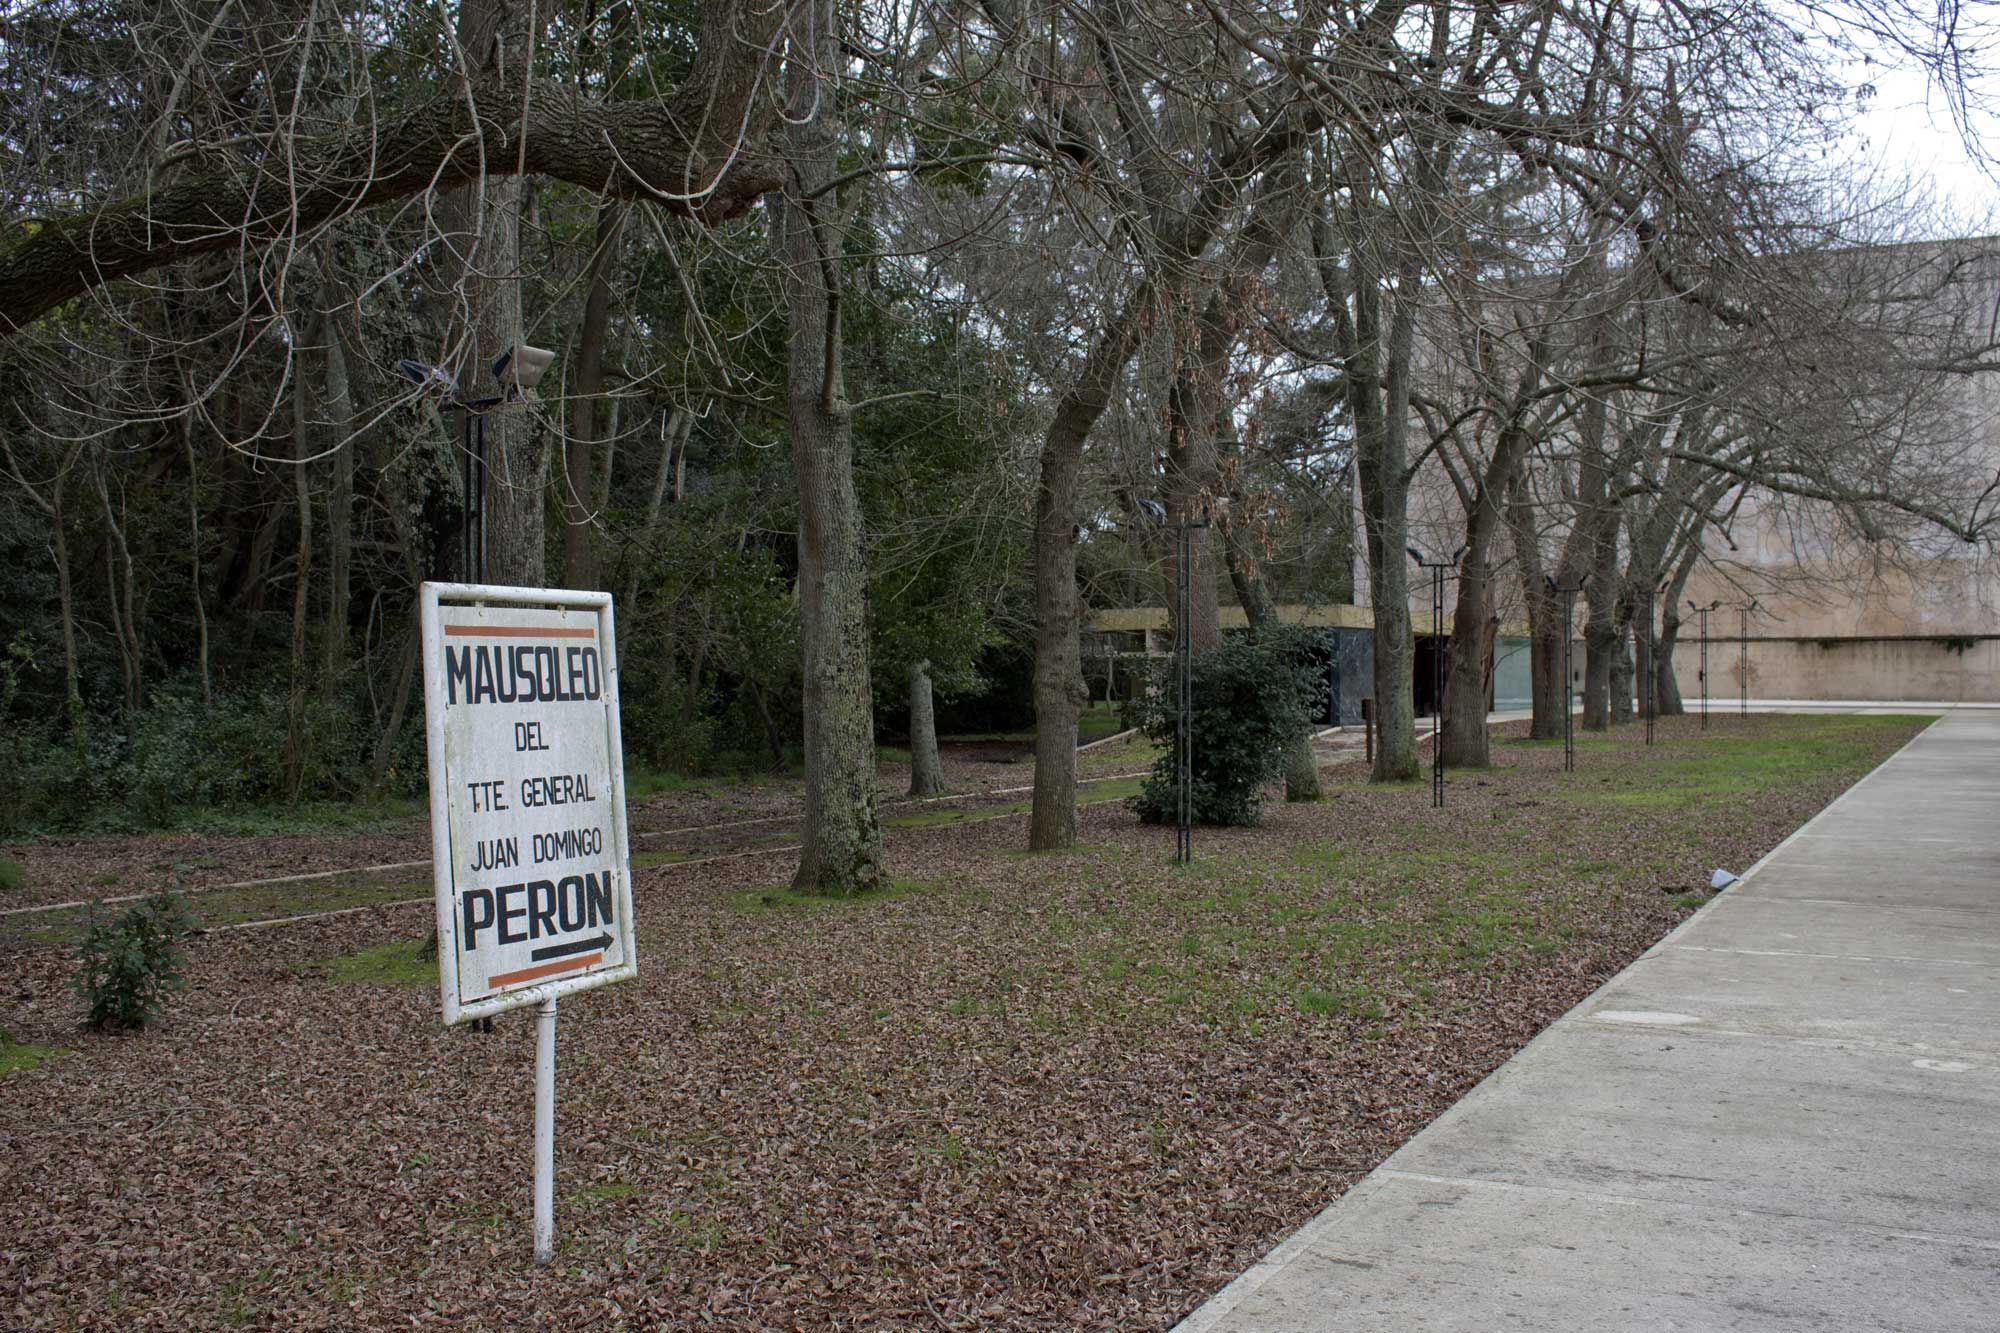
(128, 964)
(1249, 700)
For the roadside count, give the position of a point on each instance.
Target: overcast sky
(1906, 128)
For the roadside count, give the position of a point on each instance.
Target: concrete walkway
(1784, 1116)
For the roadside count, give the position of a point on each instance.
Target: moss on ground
(19, 1056)
(396, 963)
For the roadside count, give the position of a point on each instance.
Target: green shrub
(1249, 700)
(12, 876)
(129, 963)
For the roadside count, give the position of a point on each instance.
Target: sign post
(528, 837)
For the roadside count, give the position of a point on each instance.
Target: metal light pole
(1743, 659)
(518, 369)
(1651, 694)
(1184, 725)
(1703, 611)
(1568, 596)
(1437, 570)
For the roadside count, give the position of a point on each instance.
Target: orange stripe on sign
(546, 970)
(516, 632)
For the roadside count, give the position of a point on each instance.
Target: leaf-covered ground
(236, 847)
(1070, 1091)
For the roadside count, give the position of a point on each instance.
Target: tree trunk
(673, 439)
(120, 581)
(1465, 739)
(1059, 689)
(1623, 672)
(580, 450)
(399, 709)
(1666, 686)
(66, 603)
(1545, 667)
(1545, 619)
(926, 772)
(484, 222)
(339, 511)
(842, 839)
(1379, 397)
(1600, 644)
(295, 699)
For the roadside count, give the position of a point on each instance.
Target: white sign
(528, 841)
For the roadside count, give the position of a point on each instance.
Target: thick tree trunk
(1465, 739)
(842, 838)
(580, 450)
(484, 225)
(1200, 349)
(1545, 667)
(1600, 645)
(1667, 686)
(1545, 619)
(926, 772)
(1379, 397)
(1059, 689)
(1466, 680)
(1623, 671)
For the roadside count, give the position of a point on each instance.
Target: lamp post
(1743, 658)
(1437, 569)
(518, 369)
(1568, 596)
(1702, 675)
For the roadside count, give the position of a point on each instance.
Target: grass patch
(640, 860)
(396, 963)
(591, 1195)
(642, 782)
(16, 1056)
(12, 875)
(1726, 764)
(228, 907)
(780, 898)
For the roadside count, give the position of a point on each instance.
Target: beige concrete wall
(1848, 669)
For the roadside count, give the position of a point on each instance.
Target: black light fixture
(528, 365)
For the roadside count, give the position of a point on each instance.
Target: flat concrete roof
(1786, 1115)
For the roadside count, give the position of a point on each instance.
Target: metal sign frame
(434, 597)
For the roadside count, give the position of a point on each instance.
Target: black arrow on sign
(591, 945)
